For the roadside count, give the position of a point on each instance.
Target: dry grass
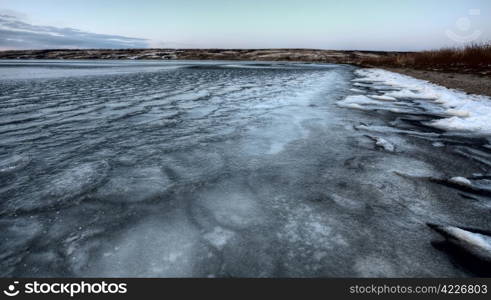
(474, 57)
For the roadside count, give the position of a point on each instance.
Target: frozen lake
(217, 169)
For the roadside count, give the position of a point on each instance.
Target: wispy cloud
(18, 34)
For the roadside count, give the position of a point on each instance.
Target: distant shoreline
(301, 55)
(457, 78)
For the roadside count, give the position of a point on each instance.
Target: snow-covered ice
(466, 113)
(358, 102)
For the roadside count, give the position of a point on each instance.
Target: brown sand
(469, 83)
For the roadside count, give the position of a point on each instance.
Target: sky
(321, 24)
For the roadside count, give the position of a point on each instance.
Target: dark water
(220, 169)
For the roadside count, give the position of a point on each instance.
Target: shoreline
(467, 81)
(289, 55)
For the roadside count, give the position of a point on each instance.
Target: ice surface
(154, 248)
(17, 234)
(75, 181)
(63, 188)
(134, 185)
(14, 163)
(232, 209)
(190, 96)
(372, 266)
(219, 237)
(208, 170)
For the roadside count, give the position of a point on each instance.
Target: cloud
(18, 34)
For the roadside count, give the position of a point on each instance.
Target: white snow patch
(413, 94)
(467, 113)
(383, 98)
(458, 113)
(383, 143)
(357, 102)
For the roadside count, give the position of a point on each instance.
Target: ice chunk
(458, 113)
(461, 181)
(387, 129)
(476, 244)
(362, 85)
(409, 94)
(357, 102)
(383, 143)
(479, 125)
(383, 98)
(374, 102)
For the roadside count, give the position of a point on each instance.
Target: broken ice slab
(473, 241)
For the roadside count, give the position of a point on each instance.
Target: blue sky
(325, 24)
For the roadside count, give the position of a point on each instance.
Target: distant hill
(302, 55)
